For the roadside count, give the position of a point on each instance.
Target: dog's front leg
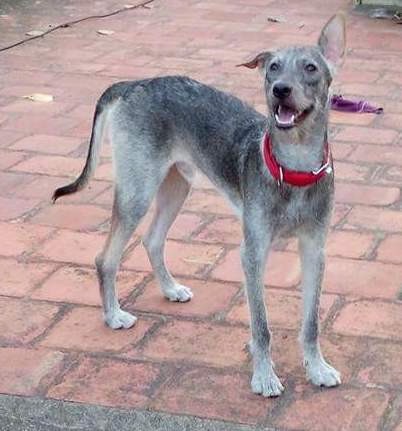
(253, 253)
(312, 255)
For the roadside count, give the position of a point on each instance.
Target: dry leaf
(35, 33)
(105, 32)
(39, 97)
(277, 19)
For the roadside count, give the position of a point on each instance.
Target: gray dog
(276, 172)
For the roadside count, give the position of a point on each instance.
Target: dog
(275, 171)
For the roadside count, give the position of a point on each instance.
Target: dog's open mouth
(287, 117)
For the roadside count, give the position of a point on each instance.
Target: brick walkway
(189, 359)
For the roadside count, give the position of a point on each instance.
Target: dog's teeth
(288, 122)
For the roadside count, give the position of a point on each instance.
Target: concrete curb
(38, 414)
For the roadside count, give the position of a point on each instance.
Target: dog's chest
(299, 207)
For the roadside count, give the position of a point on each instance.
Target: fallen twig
(69, 24)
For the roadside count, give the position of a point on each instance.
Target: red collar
(294, 178)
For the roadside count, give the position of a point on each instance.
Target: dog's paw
(322, 374)
(120, 319)
(266, 383)
(178, 293)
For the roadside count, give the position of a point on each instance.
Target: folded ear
(332, 41)
(259, 61)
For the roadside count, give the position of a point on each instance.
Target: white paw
(178, 293)
(322, 374)
(119, 319)
(266, 383)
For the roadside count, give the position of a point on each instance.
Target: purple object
(338, 103)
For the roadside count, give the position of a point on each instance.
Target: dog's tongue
(285, 116)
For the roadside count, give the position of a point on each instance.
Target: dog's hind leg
(313, 262)
(170, 198)
(128, 210)
(137, 180)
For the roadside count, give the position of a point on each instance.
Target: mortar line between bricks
(28, 214)
(42, 174)
(187, 365)
(93, 198)
(181, 363)
(281, 403)
(35, 258)
(43, 280)
(207, 270)
(60, 113)
(64, 309)
(149, 334)
(82, 151)
(26, 156)
(371, 253)
(69, 362)
(33, 153)
(177, 372)
(282, 248)
(343, 220)
(26, 255)
(129, 249)
(138, 290)
(382, 425)
(206, 221)
(332, 314)
(355, 300)
(361, 183)
(329, 329)
(360, 229)
(167, 318)
(165, 373)
(208, 267)
(95, 230)
(235, 300)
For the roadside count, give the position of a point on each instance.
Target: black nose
(281, 90)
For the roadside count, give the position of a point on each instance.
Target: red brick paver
(190, 358)
(24, 371)
(107, 382)
(361, 410)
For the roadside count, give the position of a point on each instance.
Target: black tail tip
(55, 196)
(65, 190)
(77, 185)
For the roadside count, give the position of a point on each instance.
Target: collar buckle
(279, 181)
(325, 167)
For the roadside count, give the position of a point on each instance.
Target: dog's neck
(299, 149)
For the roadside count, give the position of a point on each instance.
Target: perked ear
(332, 41)
(259, 61)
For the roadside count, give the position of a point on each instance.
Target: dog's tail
(98, 126)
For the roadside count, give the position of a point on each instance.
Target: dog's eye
(310, 67)
(274, 67)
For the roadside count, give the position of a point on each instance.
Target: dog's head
(297, 79)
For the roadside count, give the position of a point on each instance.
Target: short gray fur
(164, 129)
